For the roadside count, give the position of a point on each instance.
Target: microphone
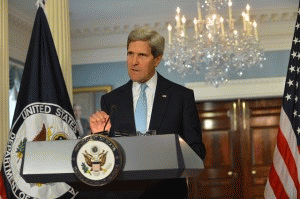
(113, 109)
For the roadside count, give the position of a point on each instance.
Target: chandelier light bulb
(248, 24)
(199, 12)
(183, 19)
(244, 21)
(222, 26)
(254, 24)
(209, 36)
(247, 18)
(170, 34)
(177, 18)
(195, 21)
(248, 7)
(182, 33)
(214, 16)
(230, 14)
(255, 30)
(196, 27)
(248, 10)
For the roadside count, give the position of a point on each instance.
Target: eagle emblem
(95, 160)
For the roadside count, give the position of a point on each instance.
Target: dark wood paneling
(219, 177)
(240, 138)
(264, 119)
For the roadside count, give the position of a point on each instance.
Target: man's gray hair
(155, 40)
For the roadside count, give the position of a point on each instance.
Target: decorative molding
(238, 89)
(19, 19)
(106, 88)
(262, 16)
(102, 41)
(20, 23)
(108, 43)
(99, 56)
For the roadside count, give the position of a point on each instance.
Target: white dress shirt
(150, 93)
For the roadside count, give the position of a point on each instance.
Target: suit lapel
(126, 100)
(160, 103)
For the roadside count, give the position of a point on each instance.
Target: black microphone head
(113, 109)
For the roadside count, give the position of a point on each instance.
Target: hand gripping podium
(143, 158)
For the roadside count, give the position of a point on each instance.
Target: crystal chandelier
(217, 47)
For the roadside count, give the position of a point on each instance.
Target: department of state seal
(37, 122)
(97, 160)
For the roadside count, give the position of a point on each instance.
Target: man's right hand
(98, 120)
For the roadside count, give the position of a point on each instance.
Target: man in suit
(82, 123)
(169, 108)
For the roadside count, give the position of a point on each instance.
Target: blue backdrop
(115, 74)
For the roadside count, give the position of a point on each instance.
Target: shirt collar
(151, 83)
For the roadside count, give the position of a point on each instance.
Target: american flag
(2, 188)
(284, 175)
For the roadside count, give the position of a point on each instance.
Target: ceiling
(98, 25)
(104, 11)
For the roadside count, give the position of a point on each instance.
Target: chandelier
(217, 46)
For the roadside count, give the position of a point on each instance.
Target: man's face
(140, 62)
(77, 112)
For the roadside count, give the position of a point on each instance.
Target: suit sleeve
(192, 132)
(104, 105)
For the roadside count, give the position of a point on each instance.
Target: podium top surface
(142, 153)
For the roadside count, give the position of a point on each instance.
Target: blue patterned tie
(141, 111)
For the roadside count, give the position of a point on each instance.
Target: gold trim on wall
(88, 98)
(106, 88)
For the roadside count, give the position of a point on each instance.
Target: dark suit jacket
(85, 127)
(174, 112)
